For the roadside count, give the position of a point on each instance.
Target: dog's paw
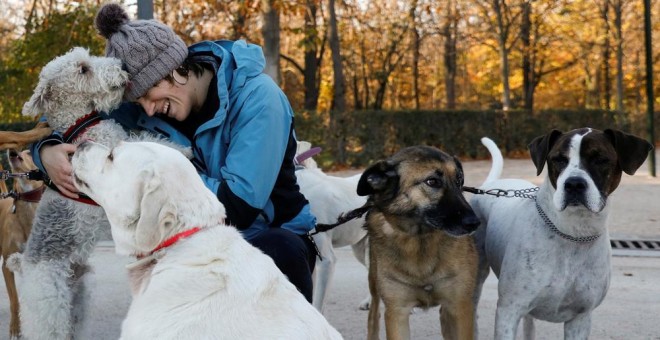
(14, 262)
(364, 305)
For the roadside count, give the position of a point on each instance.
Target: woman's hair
(189, 65)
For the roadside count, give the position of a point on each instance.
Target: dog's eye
(433, 182)
(601, 161)
(83, 69)
(560, 160)
(111, 157)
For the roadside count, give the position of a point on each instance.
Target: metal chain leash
(32, 175)
(527, 193)
(510, 193)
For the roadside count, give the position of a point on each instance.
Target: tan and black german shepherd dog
(420, 251)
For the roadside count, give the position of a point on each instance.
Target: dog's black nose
(575, 185)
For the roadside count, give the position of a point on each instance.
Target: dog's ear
(460, 176)
(539, 148)
(38, 103)
(157, 213)
(377, 178)
(631, 150)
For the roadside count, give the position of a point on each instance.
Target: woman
(239, 123)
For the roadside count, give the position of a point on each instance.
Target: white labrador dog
(196, 277)
(329, 197)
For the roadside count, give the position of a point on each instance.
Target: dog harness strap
(70, 135)
(170, 241)
(81, 126)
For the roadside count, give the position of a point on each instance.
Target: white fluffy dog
(329, 197)
(71, 89)
(197, 278)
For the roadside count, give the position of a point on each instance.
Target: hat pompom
(109, 19)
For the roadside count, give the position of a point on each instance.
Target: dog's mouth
(79, 182)
(455, 224)
(581, 202)
(15, 158)
(573, 200)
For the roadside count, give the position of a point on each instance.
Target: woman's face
(169, 99)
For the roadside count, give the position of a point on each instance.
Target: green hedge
(368, 136)
(372, 135)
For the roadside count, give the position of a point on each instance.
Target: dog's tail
(496, 155)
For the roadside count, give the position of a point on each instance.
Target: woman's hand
(57, 163)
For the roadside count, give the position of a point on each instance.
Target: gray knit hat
(149, 49)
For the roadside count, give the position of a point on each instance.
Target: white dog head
(75, 84)
(149, 192)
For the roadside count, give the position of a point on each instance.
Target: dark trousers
(293, 254)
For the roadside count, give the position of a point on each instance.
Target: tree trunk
(527, 68)
(605, 67)
(311, 60)
(450, 31)
(504, 56)
(415, 50)
(365, 76)
(271, 34)
(618, 11)
(338, 98)
(238, 25)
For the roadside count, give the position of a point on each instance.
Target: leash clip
(501, 193)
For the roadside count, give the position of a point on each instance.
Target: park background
(367, 77)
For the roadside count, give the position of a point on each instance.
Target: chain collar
(583, 239)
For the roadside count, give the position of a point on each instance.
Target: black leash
(357, 213)
(343, 218)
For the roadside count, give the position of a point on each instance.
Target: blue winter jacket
(248, 145)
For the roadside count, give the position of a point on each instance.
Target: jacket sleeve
(258, 141)
(35, 148)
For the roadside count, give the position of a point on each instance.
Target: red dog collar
(170, 241)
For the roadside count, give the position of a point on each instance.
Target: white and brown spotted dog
(552, 253)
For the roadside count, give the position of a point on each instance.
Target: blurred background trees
(411, 54)
(338, 56)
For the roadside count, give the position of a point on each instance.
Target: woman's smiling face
(169, 99)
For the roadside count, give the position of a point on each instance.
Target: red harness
(73, 132)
